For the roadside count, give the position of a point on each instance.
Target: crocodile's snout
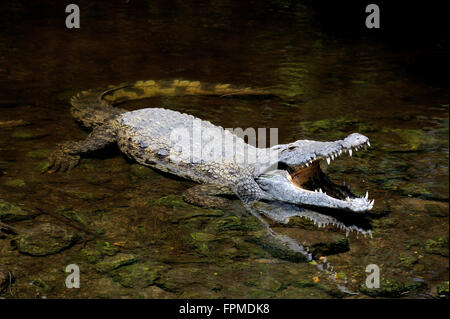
(304, 182)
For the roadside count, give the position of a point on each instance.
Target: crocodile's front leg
(208, 196)
(67, 155)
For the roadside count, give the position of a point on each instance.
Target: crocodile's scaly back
(94, 107)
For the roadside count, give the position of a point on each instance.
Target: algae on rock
(44, 239)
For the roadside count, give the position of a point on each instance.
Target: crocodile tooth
(328, 160)
(367, 195)
(307, 165)
(350, 152)
(332, 157)
(320, 190)
(368, 143)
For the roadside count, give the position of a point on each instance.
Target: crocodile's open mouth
(299, 179)
(310, 176)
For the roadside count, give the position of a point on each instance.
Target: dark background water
(333, 76)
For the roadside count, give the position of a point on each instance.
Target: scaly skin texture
(179, 144)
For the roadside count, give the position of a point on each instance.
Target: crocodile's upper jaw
(303, 182)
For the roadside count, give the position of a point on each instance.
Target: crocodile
(289, 173)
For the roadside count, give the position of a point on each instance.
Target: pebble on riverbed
(12, 213)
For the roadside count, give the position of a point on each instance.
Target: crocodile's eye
(291, 148)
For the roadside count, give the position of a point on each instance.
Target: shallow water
(147, 242)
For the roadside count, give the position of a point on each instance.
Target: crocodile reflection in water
(281, 213)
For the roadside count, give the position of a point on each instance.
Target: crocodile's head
(299, 179)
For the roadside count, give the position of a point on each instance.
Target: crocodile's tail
(94, 107)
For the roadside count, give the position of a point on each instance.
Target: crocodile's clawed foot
(62, 161)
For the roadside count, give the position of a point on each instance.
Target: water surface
(328, 87)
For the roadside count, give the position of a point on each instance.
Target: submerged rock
(111, 263)
(442, 289)
(138, 171)
(107, 249)
(407, 140)
(28, 134)
(42, 166)
(44, 239)
(15, 183)
(39, 153)
(202, 237)
(11, 213)
(177, 279)
(436, 210)
(438, 246)
(74, 216)
(96, 254)
(13, 123)
(97, 179)
(407, 261)
(139, 275)
(87, 196)
(392, 288)
(90, 255)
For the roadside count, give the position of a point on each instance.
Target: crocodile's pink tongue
(313, 179)
(305, 175)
